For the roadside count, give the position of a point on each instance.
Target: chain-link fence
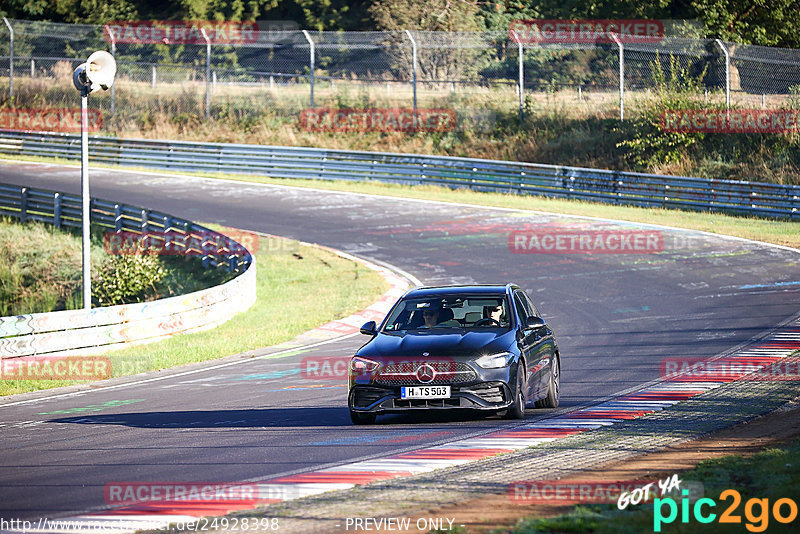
(282, 72)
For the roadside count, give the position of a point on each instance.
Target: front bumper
(488, 396)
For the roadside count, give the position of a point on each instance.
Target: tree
(427, 15)
(762, 22)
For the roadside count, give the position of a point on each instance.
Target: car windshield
(468, 312)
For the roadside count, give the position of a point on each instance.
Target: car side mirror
(369, 328)
(534, 323)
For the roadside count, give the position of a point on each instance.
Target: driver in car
(494, 313)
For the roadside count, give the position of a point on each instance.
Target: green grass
(40, 268)
(776, 231)
(298, 287)
(773, 473)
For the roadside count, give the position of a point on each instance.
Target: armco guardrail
(80, 331)
(627, 188)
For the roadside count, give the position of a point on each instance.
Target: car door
(533, 346)
(526, 342)
(544, 344)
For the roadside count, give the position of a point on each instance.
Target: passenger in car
(436, 316)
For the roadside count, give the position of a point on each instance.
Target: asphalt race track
(617, 316)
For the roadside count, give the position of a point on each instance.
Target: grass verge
(776, 231)
(773, 474)
(299, 287)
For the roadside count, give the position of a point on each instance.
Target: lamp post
(97, 73)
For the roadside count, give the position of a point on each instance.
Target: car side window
(531, 307)
(519, 304)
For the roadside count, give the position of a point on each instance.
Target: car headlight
(495, 361)
(362, 365)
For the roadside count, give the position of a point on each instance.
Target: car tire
(517, 408)
(362, 418)
(553, 386)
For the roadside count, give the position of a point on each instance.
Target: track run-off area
(618, 315)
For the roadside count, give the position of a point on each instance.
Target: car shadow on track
(273, 418)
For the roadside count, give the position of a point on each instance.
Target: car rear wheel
(362, 418)
(554, 386)
(517, 408)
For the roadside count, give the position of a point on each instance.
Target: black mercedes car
(476, 347)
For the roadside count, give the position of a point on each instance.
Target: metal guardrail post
(57, 210)
(23, 205)
(727, 73)
(113, 53)
(208, 72)
(413, 71)
(621, 76)
(311, 64)
(117, 217)
(10, 59)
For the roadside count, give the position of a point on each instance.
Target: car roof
(458, 290)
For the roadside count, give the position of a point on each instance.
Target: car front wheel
(517, 408)
(553, 387)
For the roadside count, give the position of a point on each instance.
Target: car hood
(450, 343)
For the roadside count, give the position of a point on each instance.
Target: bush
(127, 278)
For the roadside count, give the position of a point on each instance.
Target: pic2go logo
(783, 510)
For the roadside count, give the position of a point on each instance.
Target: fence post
(23, 205)
(310, 63)
(727, 73)
(113, 53)
(152, 77)
(621, 76)
(57, 210)
(10, 59)
(208, 72)
(521, 82)
(413, 71)
(33, 68)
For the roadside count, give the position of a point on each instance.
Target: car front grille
(445, 372)
(490, 392)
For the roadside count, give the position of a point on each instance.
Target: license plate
(425, 392)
